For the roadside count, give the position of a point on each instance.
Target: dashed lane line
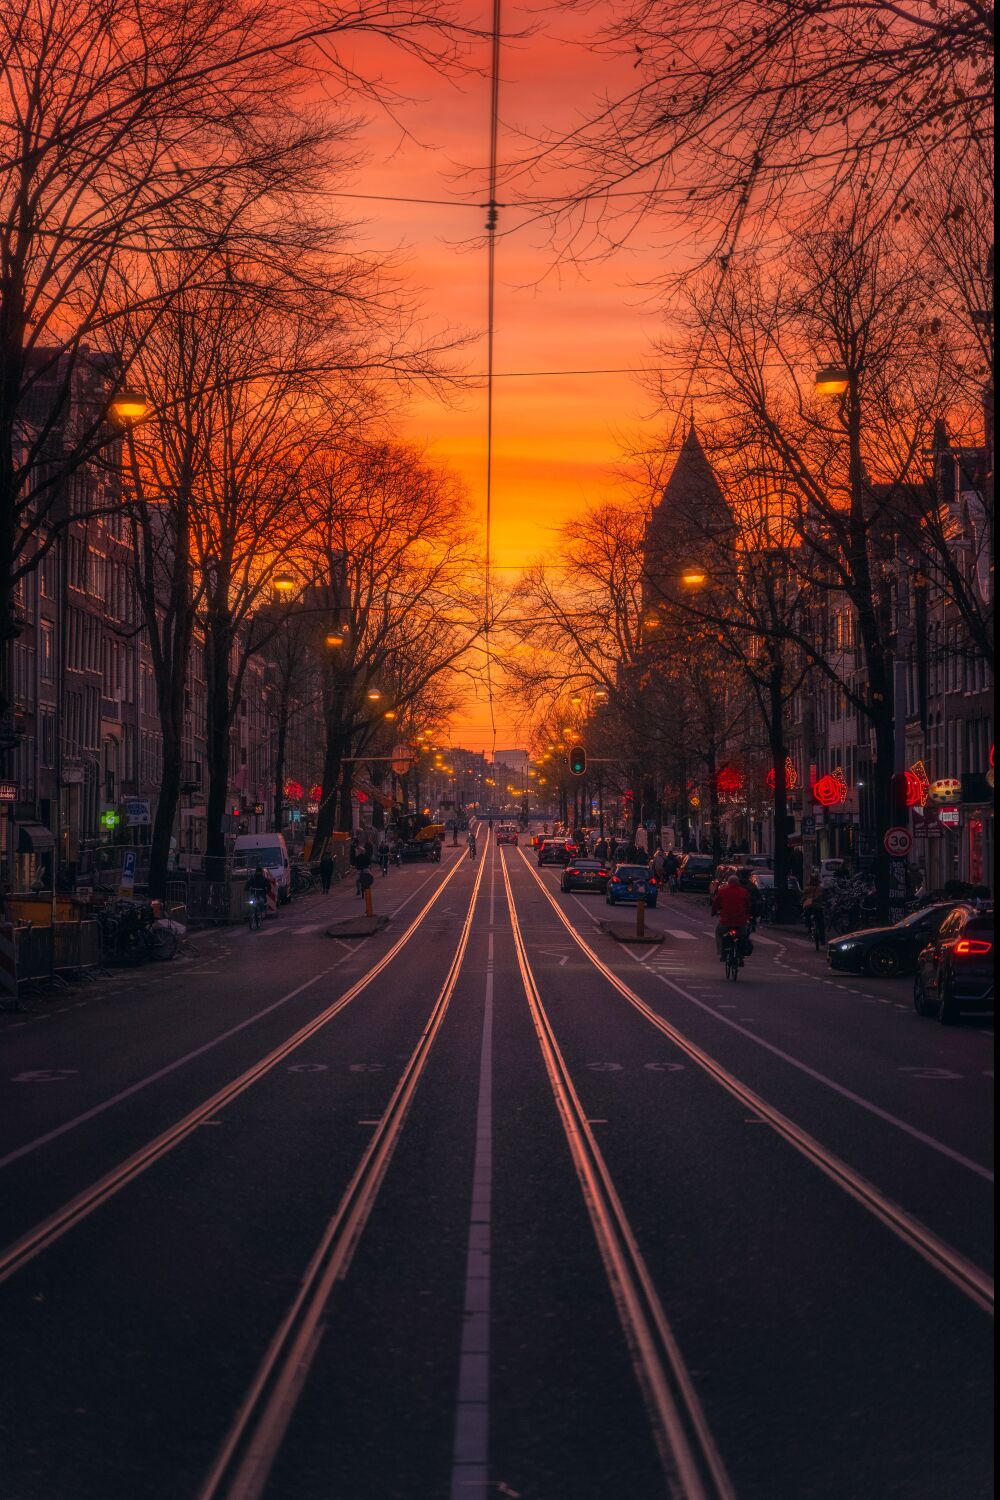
(976, 1283)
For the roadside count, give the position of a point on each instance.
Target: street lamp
(390, 714)
(283, 583)
(373, 695)
(831, 380)
(334, 638)
(693, 578)
(129, 407)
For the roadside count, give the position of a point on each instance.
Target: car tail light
(969, 947)
(652, 880)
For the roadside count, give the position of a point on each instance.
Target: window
(47, 651)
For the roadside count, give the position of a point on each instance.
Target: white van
(268, 850)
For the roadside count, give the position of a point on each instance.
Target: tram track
(692, 1464)
(245, 1458)
(970, 1279)
(75, 1210)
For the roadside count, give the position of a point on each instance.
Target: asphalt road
(491, 1205)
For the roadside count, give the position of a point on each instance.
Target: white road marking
(164, 1072)
(469, 1465)
(680, 932)
(831, 1083)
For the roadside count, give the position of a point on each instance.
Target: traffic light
(904, 794)
(578, 760)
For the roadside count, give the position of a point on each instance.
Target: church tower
(690, 526)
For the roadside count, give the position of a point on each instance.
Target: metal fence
(34, 954)
(208, 900)
(76, 947)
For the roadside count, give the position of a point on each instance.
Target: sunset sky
(556, 440)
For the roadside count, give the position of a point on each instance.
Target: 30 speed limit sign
(898, 841)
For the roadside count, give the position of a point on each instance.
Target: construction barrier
(75, 947)
(34, 954)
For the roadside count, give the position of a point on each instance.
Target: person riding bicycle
(383, 856)
(471, 841)
(731, 903)
(257, 887)
(671, 869)
(813, 909)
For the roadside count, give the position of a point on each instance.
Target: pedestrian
(326, 871)
(362, 863)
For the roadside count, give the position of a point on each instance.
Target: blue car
(629, 882)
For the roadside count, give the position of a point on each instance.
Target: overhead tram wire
(492, 216)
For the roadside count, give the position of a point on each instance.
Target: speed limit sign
(898, 841)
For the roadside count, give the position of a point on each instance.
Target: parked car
(629, 883)
(507, 834)
(556, 852)
(885, 952)
(955, 969)
(269, 851)
(695, 873)
(763, 881)
(585, 875)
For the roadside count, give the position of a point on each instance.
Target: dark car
(630, 883)
(695, 873)
(507, 834)
(887, 951)
(584, 875)
(955, 970)
(556, 852)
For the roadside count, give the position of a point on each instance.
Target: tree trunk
(163, 821)
(326, 818)
(715, 832)
(776, 738)
(277, 820)
(218, 650)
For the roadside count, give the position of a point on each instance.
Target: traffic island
(628, 934)
(357, 927)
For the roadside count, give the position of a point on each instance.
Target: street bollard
(368, 901)
(640, 918)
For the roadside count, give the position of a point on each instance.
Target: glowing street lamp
(693, 578)
(389, 714)
(831, 380)
(283, 584)
(374, 695)
(129, 407)
(334, 638)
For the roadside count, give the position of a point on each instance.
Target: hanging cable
(492, 216)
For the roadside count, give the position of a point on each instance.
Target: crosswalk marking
(679, 932)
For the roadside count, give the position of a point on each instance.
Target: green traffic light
(578, 760)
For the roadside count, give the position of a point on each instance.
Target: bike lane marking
(971, 1279)
(179, 1062)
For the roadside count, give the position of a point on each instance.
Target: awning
(34, 838)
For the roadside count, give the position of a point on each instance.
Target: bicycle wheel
(162, 943)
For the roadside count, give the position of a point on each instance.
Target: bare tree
(852, 297)
(129, 133)
(738, 110)
(394, 568)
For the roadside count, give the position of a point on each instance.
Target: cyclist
(257, 889)
(671, 869)
(756, 899)
(731, 903)
(471, 841)
(383, 856)
(813, 909)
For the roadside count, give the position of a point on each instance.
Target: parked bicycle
(303, 879)
(132, 932)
